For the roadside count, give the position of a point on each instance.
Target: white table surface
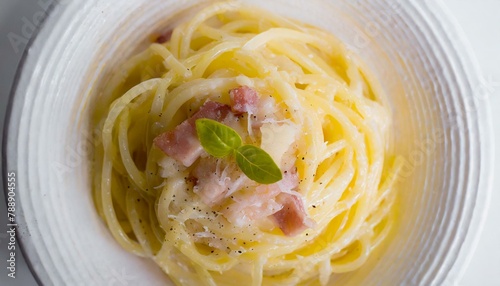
(480, 20)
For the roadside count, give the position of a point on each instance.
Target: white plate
(441, 126)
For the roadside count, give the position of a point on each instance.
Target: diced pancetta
(182, 143)
(219, 182)
(244, 99)
(211, 189)
(211, 110)
(279, 201)
(216, 179)
(164, 37)
(263, 193)
(292, 218)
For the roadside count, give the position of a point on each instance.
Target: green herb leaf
(257, 165)
(220, 140)
(216, 138)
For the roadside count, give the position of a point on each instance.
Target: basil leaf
(257, 165)
(216, 138)
(220, 140)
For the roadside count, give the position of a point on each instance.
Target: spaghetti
(315, 112)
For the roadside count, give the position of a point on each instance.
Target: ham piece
(244, 99)
(164, 37)
(292, 218)
(182, 143)
(279, 200)
(216, 181)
